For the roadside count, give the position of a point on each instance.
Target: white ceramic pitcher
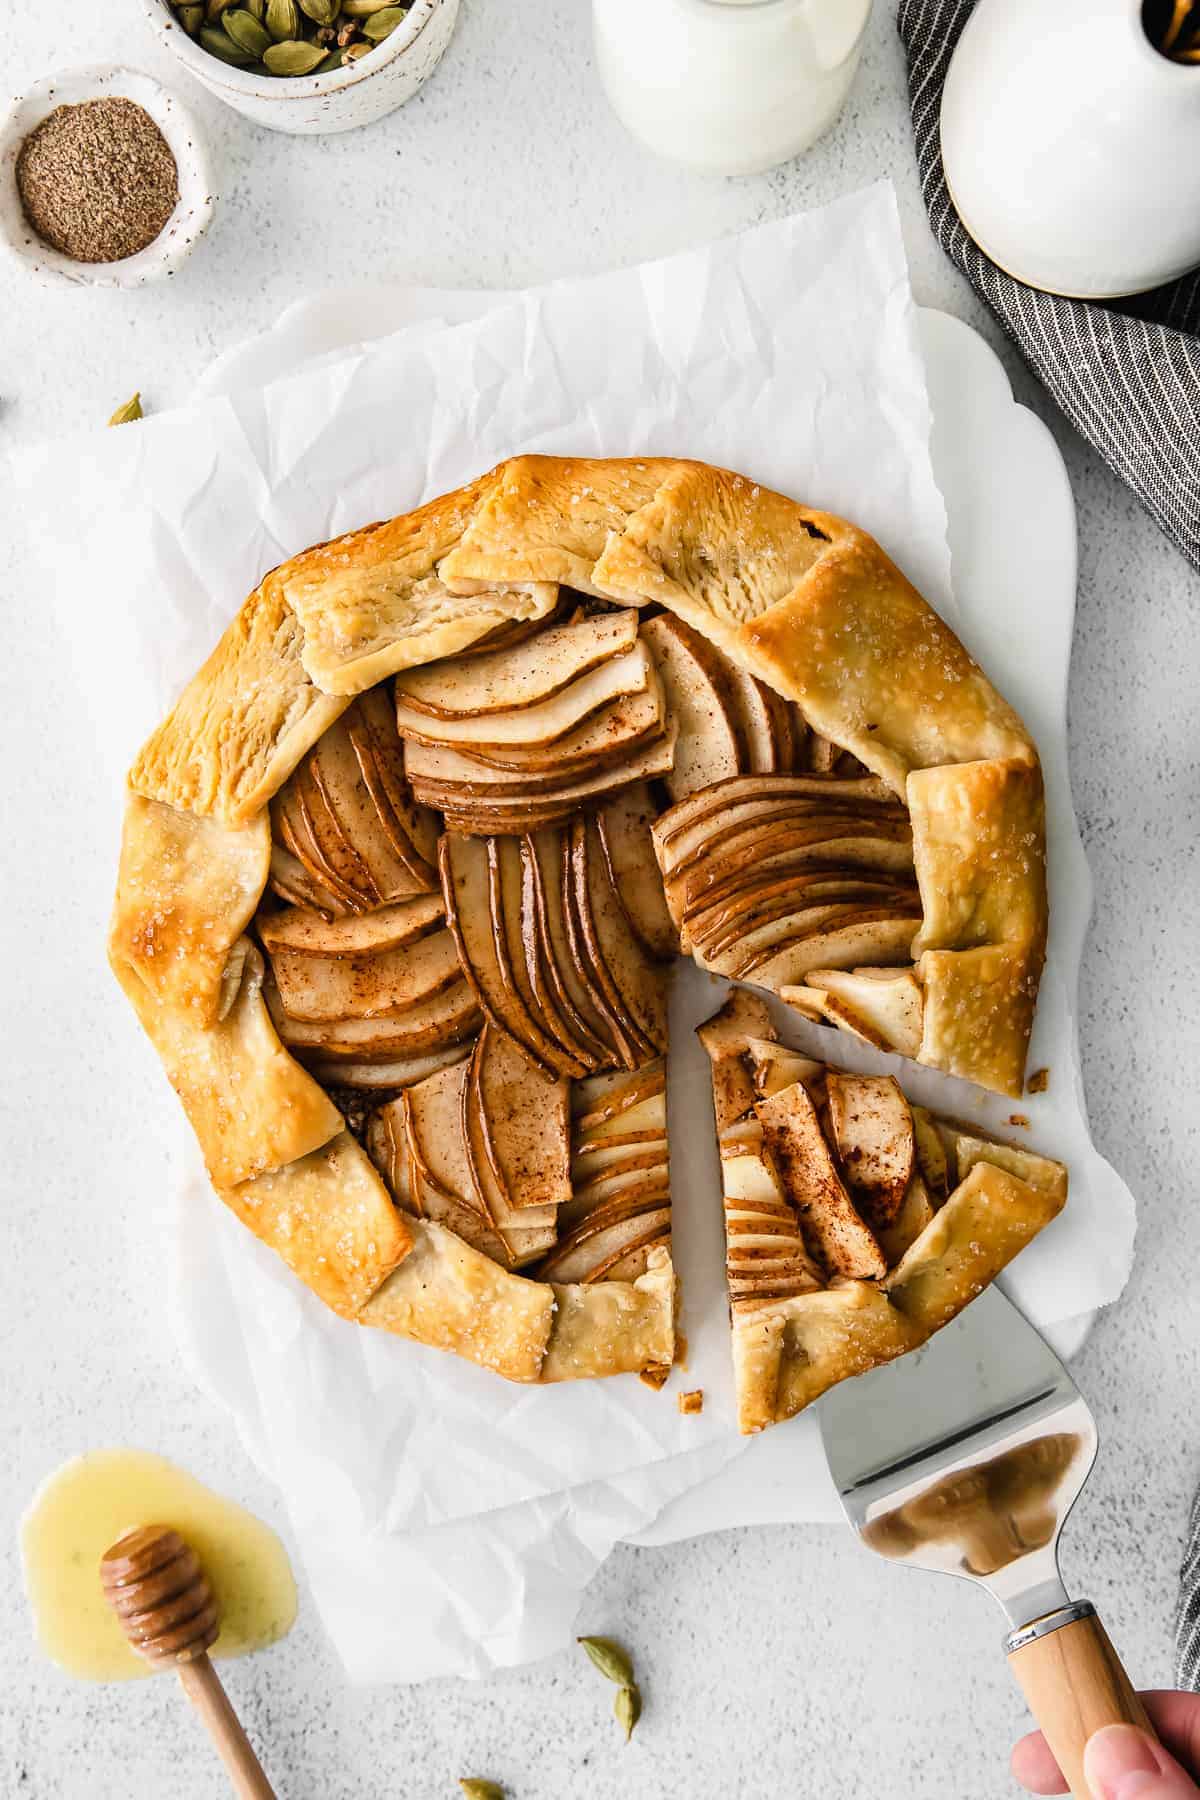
(1072, 146)
(728, 86)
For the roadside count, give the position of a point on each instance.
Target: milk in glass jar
(728, 86)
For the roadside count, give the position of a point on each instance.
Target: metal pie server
(965, 1457)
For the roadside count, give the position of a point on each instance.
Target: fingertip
(1034, 1767)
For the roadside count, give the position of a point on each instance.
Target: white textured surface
(775, 1661)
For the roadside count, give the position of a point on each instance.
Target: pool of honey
(90, 1502)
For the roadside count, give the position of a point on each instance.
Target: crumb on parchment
(692, 1402)
(1038, 1082)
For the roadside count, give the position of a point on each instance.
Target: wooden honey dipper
(154, 1583)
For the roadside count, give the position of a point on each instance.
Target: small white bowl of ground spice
(104, 179)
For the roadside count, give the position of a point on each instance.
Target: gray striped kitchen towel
(1126, 373)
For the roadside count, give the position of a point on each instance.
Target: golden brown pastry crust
(330, 1218)
(796, 597)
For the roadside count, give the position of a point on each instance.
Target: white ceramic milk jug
(1072, 146)
(728, 86)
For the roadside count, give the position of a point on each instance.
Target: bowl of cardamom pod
(307, 66)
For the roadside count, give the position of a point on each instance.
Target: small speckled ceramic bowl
(196, 198)
(357, 94)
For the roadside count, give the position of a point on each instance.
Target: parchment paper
(448, 1522)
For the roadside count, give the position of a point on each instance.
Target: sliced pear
(809, 1002)
(439, 1159)
(720, 925)
(517, 959)
(380, 1076)
(295, 810)
(617, 1157)
(872, 1130)
(351, 828)
(628, 848)
(525, 1123)
(469, 873)
(610, 1244)
(604, 737)
(516, 675)
(362, 987)
(306, 929)
(444, 1018)
(529, 811)
(823, 755)
(292, 882)
(543, 954)
(755, 721)
(412, 829)
(632, 1049)
(774, 1066)
(829, 1220)
(765, 1254)
(721, 800)
(619, 1104)
(632, 985)
(884, 1007)
(691, 672)
(632, 672)
(932, 1156)
(880, 935)
(558, 934)
(915, 1213)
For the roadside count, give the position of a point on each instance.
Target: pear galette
(405, 870)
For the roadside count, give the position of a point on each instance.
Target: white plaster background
(775, 1662)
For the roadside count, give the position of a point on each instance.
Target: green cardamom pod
(293, 59)
(282, 20)
(132, 409)
(481, 1790)
(380, 24)
(191, 18)
(333, 61)
(217, 44)
(257, 7)
(628, 1708)
(214, 8)
(245, 31)
(364, 9)
(610, 1659)
(321, 12)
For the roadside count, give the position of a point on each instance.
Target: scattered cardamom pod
(282, 20)
(481, 1790)
(610, 1659)
(628, 1708)
(363, 9)
(217, 44)
(132, 409)
(293, 59)
(244, 29)
(380, 24)
(321, 12)
(191, 18)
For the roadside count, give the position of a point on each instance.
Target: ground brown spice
(97, 181)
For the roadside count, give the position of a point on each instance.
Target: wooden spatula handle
(1074, 1684)
(202, 1685)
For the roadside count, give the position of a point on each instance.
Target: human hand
(1122, 1763)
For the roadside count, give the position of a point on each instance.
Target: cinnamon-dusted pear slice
(294, 810)
(468, 871)
(765, 1255)
(631, 1048)
(916, 1212)
(737, 841)
(884, 1007)
(519, 814)
(616, 1156)
(725, 1037)
(525, 1120)
(628, 850)
(708, 749)
(411, 829)
(932, 1155)
(558, 935)
(536, 972)
(362, 987)
(291, 881)
(440, 1184)
(861, 933)
(612, 1243)
(829, 1219)
(352, 822)
(516, 676)
(608, 735)
(506, 900)
(725, 798)
(774, 1066)
(379, 1077)
(444, 1018)
(873, 1133)
(547, 953)
(632, 984)
(720, 925)
(807, 1001)
(762, 722)
(629, 673)
(823, 755)
(529, 1231)
(306, 929)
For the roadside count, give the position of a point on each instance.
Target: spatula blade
(967, 1455)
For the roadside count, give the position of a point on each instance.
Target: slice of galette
(856, 1223)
